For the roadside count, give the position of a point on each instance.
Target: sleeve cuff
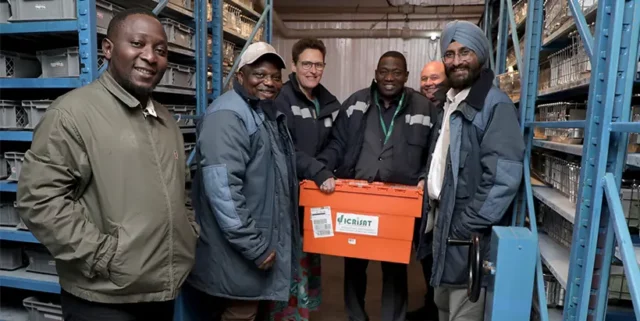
(262, 257)
(102, 266)
(322, 176)
(459, 232)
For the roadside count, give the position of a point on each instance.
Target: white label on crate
(352, 241)
(321, 221)
(52, 317)
(357, 224)
(57, 64)
(40, 7)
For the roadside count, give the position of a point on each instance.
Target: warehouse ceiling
(373, 3)
(404, 9)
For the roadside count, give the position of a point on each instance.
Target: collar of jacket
(406, 90)
(115, 89)
(125, 97)
(324, 97)
(480, 89)
(266, 105)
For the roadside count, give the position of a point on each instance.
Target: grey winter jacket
(483, 173)
(245, 195)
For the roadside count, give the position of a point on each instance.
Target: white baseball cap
(257, 50)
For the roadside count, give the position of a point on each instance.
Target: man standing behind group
(433, 84)
(102, 186)
(382, 135)
(245, 194)
(311, 110)
(474, 171)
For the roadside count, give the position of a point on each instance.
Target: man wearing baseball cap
(245, 195)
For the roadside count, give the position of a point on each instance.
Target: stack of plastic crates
(231, 20)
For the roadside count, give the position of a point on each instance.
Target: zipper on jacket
(167, 199)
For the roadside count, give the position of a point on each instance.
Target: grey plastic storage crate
(179, 76)
(42, 311)
(188, 147)
(15, 164)
(18, 65)
(63, 62)
(35, 110)
(183, 110)
(183, 3)
(22, 10)
(40, 261)
(4, 167)
(9, 215)
(5, 11)
(9, 112)
(10, 257)
(179, 34)
(105, 11)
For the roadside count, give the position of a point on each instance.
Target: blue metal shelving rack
(85, 27)
(599, 222)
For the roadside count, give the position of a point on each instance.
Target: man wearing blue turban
(474, 170)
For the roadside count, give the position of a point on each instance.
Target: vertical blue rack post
(613, 58)
(598, 221)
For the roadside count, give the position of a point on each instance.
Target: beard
(463, 82)
(135, 90)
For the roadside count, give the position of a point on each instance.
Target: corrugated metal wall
(351, 62)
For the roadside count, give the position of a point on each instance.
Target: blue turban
(469, 35)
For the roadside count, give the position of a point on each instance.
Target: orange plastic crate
(363, 220)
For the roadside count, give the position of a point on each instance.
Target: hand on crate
(421, 184)
(328, 186)
(268, 263)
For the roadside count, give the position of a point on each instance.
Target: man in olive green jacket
(102, 186)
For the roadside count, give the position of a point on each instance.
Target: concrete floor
(332, 307)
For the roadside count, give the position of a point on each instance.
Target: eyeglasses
(306, 65)
(464, 55)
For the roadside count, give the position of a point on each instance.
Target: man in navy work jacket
(474, 171)
(245, 196)
(381, 135)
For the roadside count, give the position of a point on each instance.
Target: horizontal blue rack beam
(557, 124)
(21, 279)
(10, 187)
(15, 235)
(38, 27)
(626, 127)
(16, 136)
(16, 83)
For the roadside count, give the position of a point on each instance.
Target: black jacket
(410, 138)
(310, 134)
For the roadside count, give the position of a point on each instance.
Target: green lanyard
(316, 103)
(387, 133)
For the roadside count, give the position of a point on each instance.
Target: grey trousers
(394, 290)
(454, 305)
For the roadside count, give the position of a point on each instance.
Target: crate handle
(185, 28)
